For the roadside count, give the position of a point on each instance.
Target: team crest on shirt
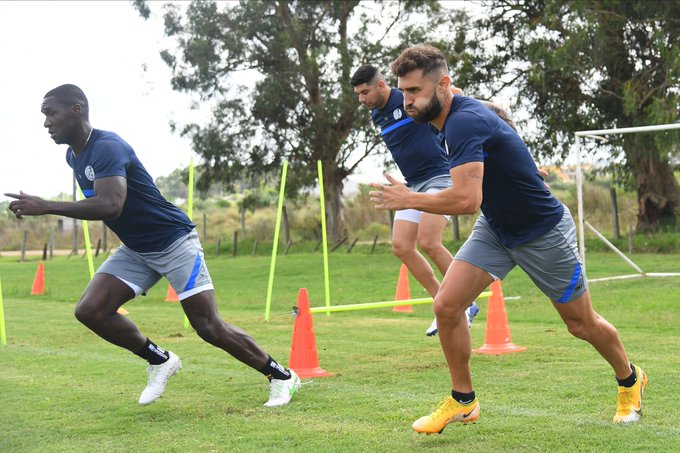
(396, 114)
(89, 172)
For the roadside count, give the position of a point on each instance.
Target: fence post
(219, 246)
(375, 240)
(456, 228)
(353, 244)
(105, 242)
(615, 213)
(630, 239)
(51, 242)
(286, 228)
(23, 246)
(205, 228)
(233, 253)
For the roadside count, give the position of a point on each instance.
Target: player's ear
(77, 109)
(444, 83)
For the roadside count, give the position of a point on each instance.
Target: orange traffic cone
(122, 311)
(403, 291)
(39, 281)
(304, 359)
(171, 295)
(498, 340)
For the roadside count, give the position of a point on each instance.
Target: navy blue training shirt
(148, 222)
(516, 202)
(415, 148)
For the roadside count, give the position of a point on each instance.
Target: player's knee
(400, 249)
(429, 245)
(207, 330)
(579, 329)
(442, 307)
(87, 314)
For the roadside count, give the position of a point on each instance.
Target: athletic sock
(153, 354)
(463, 398)
(272, 370)
(630, 380)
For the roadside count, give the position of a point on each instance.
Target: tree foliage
(301, 107)
(583, 65)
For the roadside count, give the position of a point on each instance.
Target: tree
(597, 65)
(302, 107)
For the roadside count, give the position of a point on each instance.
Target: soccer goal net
(583, 223)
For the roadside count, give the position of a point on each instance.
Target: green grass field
(62, 389)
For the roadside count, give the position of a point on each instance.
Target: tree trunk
(335, 186)
(657, 188)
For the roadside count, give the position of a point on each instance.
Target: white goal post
(582, 223)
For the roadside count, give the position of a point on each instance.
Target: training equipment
(600, 135)
(275, 245)
(38, 288)
(388, 303)
(324, 239)
(497, 340)
(403, 291)
(448, 411)
(190, 214)
(629, 400)
(3, 335)
(282, 391)
(171, 294)
(470, 313)
(304, 358)
(159, 375)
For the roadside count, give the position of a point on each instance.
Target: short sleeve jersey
(148, 222)
(416, 148)
(516, 202)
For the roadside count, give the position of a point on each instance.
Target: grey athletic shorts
(551, 261)
(433, 185)
(182, 263)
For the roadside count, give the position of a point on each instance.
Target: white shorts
(434, 185)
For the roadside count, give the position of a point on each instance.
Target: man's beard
(430, 111)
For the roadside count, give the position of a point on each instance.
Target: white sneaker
(281, 392)
(432, 330)
(159, 375)
(470, 314)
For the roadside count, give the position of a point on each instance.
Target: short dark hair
(500, 111)
(422, 56)
(69, 94)
(365, 74)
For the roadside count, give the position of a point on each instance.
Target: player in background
(417, 151)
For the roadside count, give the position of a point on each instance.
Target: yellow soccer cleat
(448, 411)
(629, 401)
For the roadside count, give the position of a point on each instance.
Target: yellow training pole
(88, 249)
(275, 247)
(190, 213)
(370, 305)
(324, 239)
(3, 336)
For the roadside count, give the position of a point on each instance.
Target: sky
(112, 53)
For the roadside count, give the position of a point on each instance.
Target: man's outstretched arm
(106, 204)
(464, 197)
